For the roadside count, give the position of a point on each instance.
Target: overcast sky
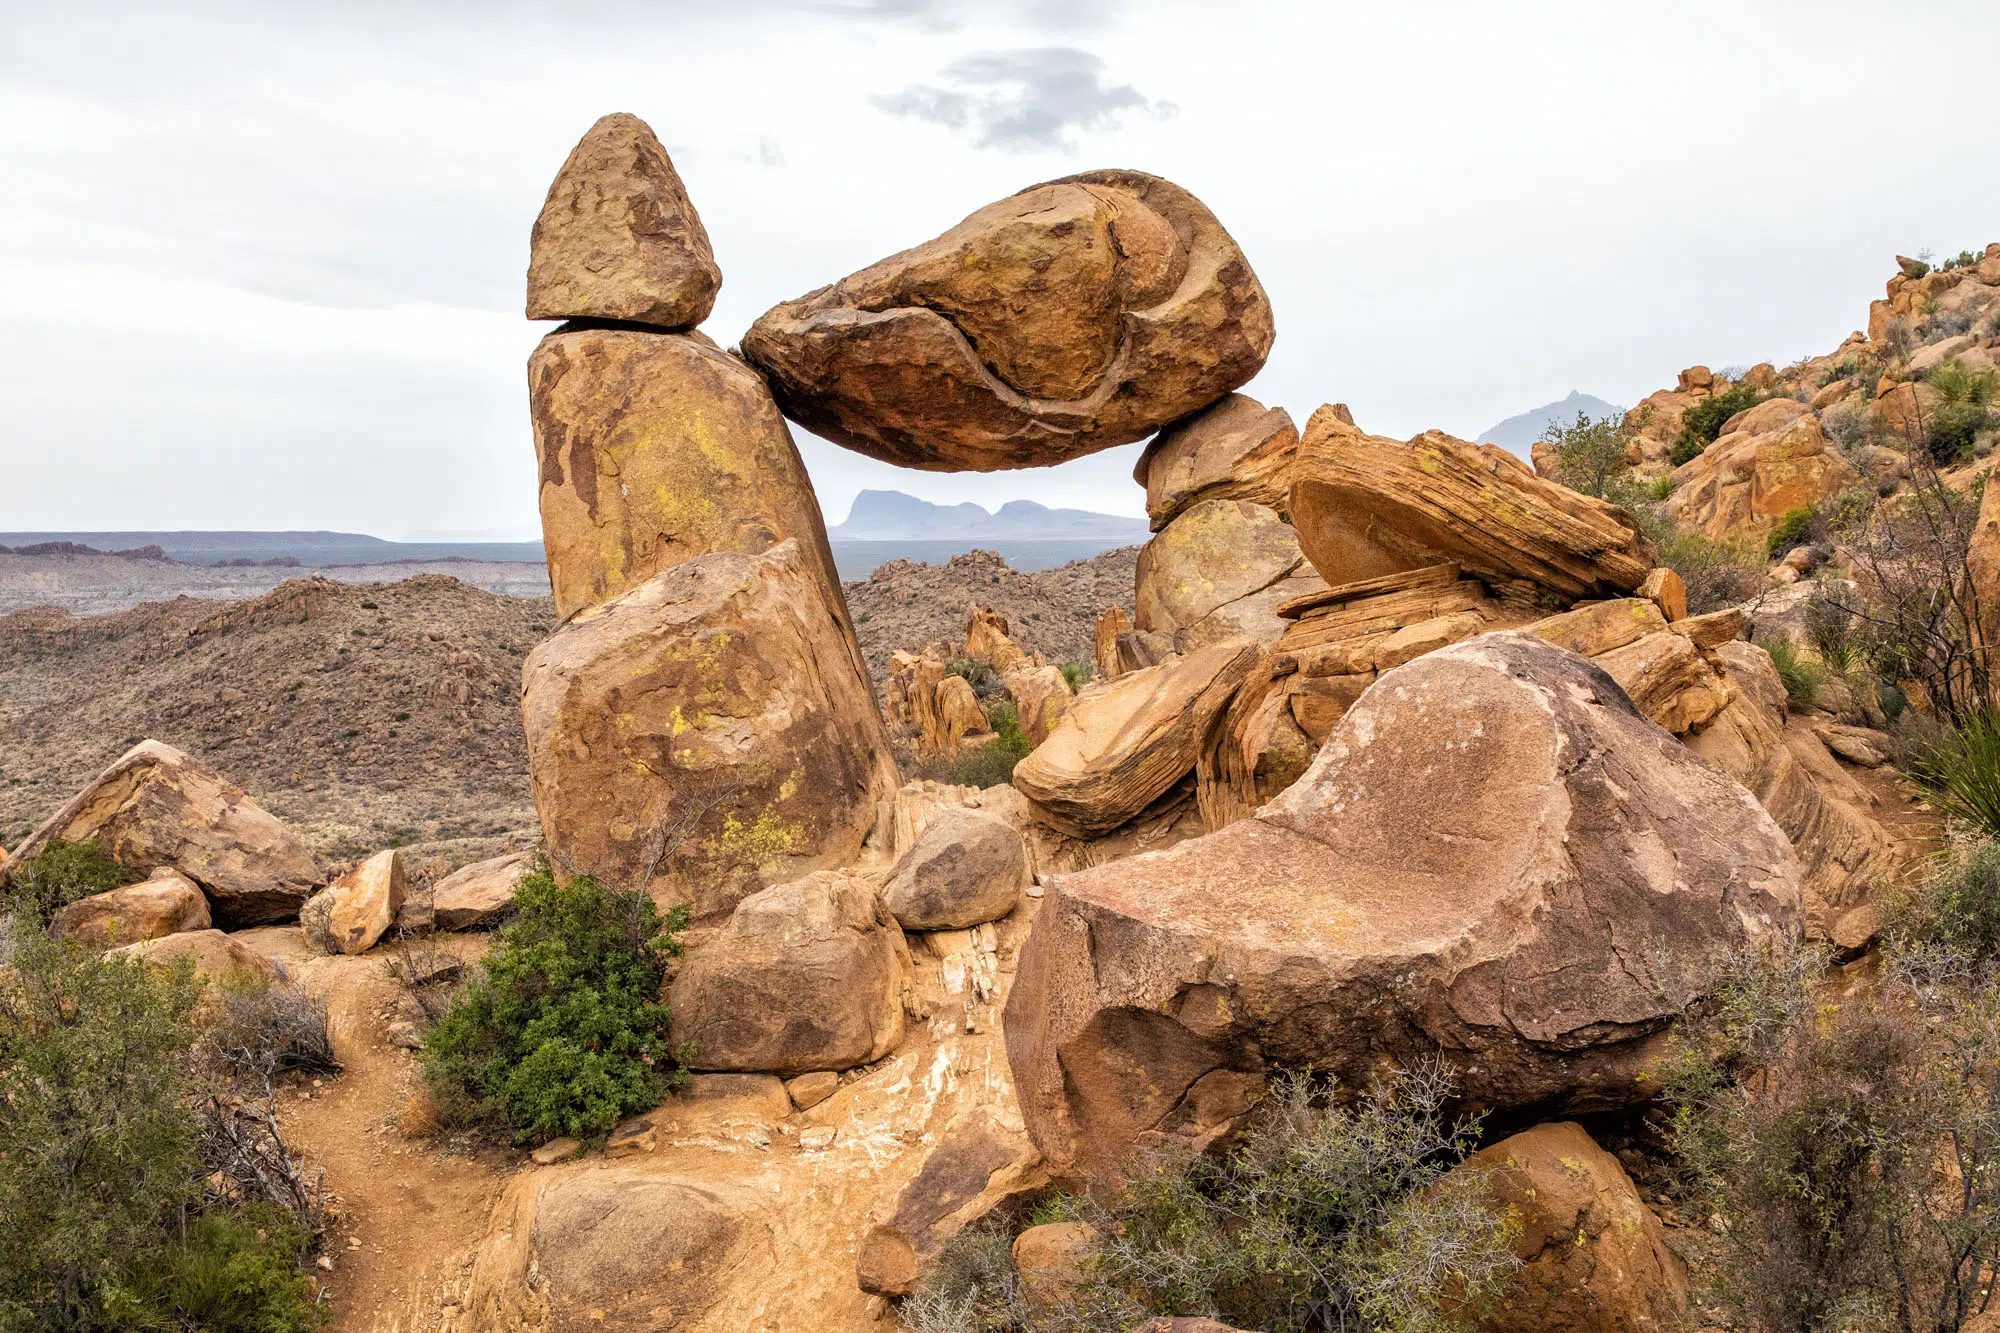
(261, 265)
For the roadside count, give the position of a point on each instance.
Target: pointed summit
(618, 237)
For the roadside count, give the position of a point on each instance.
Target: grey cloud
(1023, 99)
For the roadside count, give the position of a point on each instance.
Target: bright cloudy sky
(261, 265)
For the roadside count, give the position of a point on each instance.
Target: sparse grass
(1803, 678)
(1960, 771)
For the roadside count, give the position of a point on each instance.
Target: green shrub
(1960, 771)
(562, 1032)
(1802, 677)
(985, 681)
(1075, 674)
(220, 1274)
(1701, 424)
(1590, 455)
(1717, 574)
(1797, 528)
(60, 874)
(1956, 907)
(1321, 1216)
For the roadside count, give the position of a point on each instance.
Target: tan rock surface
(1668, 680)
(480, 894)
(349, 915)
(1602, 626)
(1065, 319)
(618, 237)
(166, 904)
(1123, 746)
(803, 976)
(1236, 450)
(1214, 553)
(219, 957)
(979, 1165)
(1366, 506)
(1593, 1259)
(723, 693)
(1772, 459)
(967, 867)
(987, 640)
(656, 448)
(1111, 623)
(1041, 696)
(1982, 565)
(1494, 853)
(154, 806)
(1668, 591)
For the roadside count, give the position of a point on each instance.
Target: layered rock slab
(1071, 317)
(618, 238)
(1493, 854)
(154, 806)
(655, 448)
(706, 734)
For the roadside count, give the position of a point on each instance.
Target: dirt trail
(408, 1212)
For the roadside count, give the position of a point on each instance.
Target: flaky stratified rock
(967, 867)
(1593, 1259)
(166, 904)
(1214, 553)
(1121, 747)
(1070, 317)
(349, 915)
(656, 448)
(1236, 450)
(1366, 506)
(154, 806)
(803, 976)
(716, 707)
(618, 238)
(1493, 854)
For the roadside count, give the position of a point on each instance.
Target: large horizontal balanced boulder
(154, 806)
(618, 237)
(1494, 855)
(656, 448)
(1366, 506)
(1121, 747)
(1070, 317)
(705, 734)
(166, 904)
(1236, 450)
(803, 976)
(1214, 553)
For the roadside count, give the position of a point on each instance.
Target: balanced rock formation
(1121, 747)
(349, 915)
(154, 806)
(1366, 506)
(1236, 450)
(1770, 460)
(166, 904)
(803, 976)
(967, 867)
(712, 727)
(1494, 853)
(1215, 553)
(656, 448)
(618, 237)
(1593, 1259)
(1070, 317)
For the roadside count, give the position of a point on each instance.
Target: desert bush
(1846, 1150)
(1952, 916)
(1964, 411)
(1701, 424)
(1590, 455)
(985, 681)
(562, 1033)
(1849, 428)
(220, 1272)
(1960, 771)
(262, 1028)
(970, 1286)
(1803, 679)
(1798, 527)
(60, 874)
(1949, 325)
(1321, 1216)
(1831, 631)
(1717, 574)
(1075, 674)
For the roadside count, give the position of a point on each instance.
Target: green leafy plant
(562, 1032)
(1798, 527)
(60, 874)
(1701, 424)
(1960, 771)
(1590, 455)
(220, 1272)
(1803, 678)
(1075, 674)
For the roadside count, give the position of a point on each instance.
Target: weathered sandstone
(166, 904)
(349, 915)
(967, 867)
(1236, 450)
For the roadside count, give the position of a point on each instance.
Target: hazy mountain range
(1519, 432)
(894, 516)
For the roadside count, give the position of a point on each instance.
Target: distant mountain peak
(894, 516)
(1519, 432)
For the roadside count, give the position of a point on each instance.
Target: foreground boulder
(349, 915)
(803, 976)
(1593, 1259)
(166, 904)
(1120, 748)
(1366, 507)
(710, 727)
(1215, 553)
(656, 448)
(618, 238)
(1070, 317)
(967, 868)
(1493, 854)
(220, 958)
(157, 807)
